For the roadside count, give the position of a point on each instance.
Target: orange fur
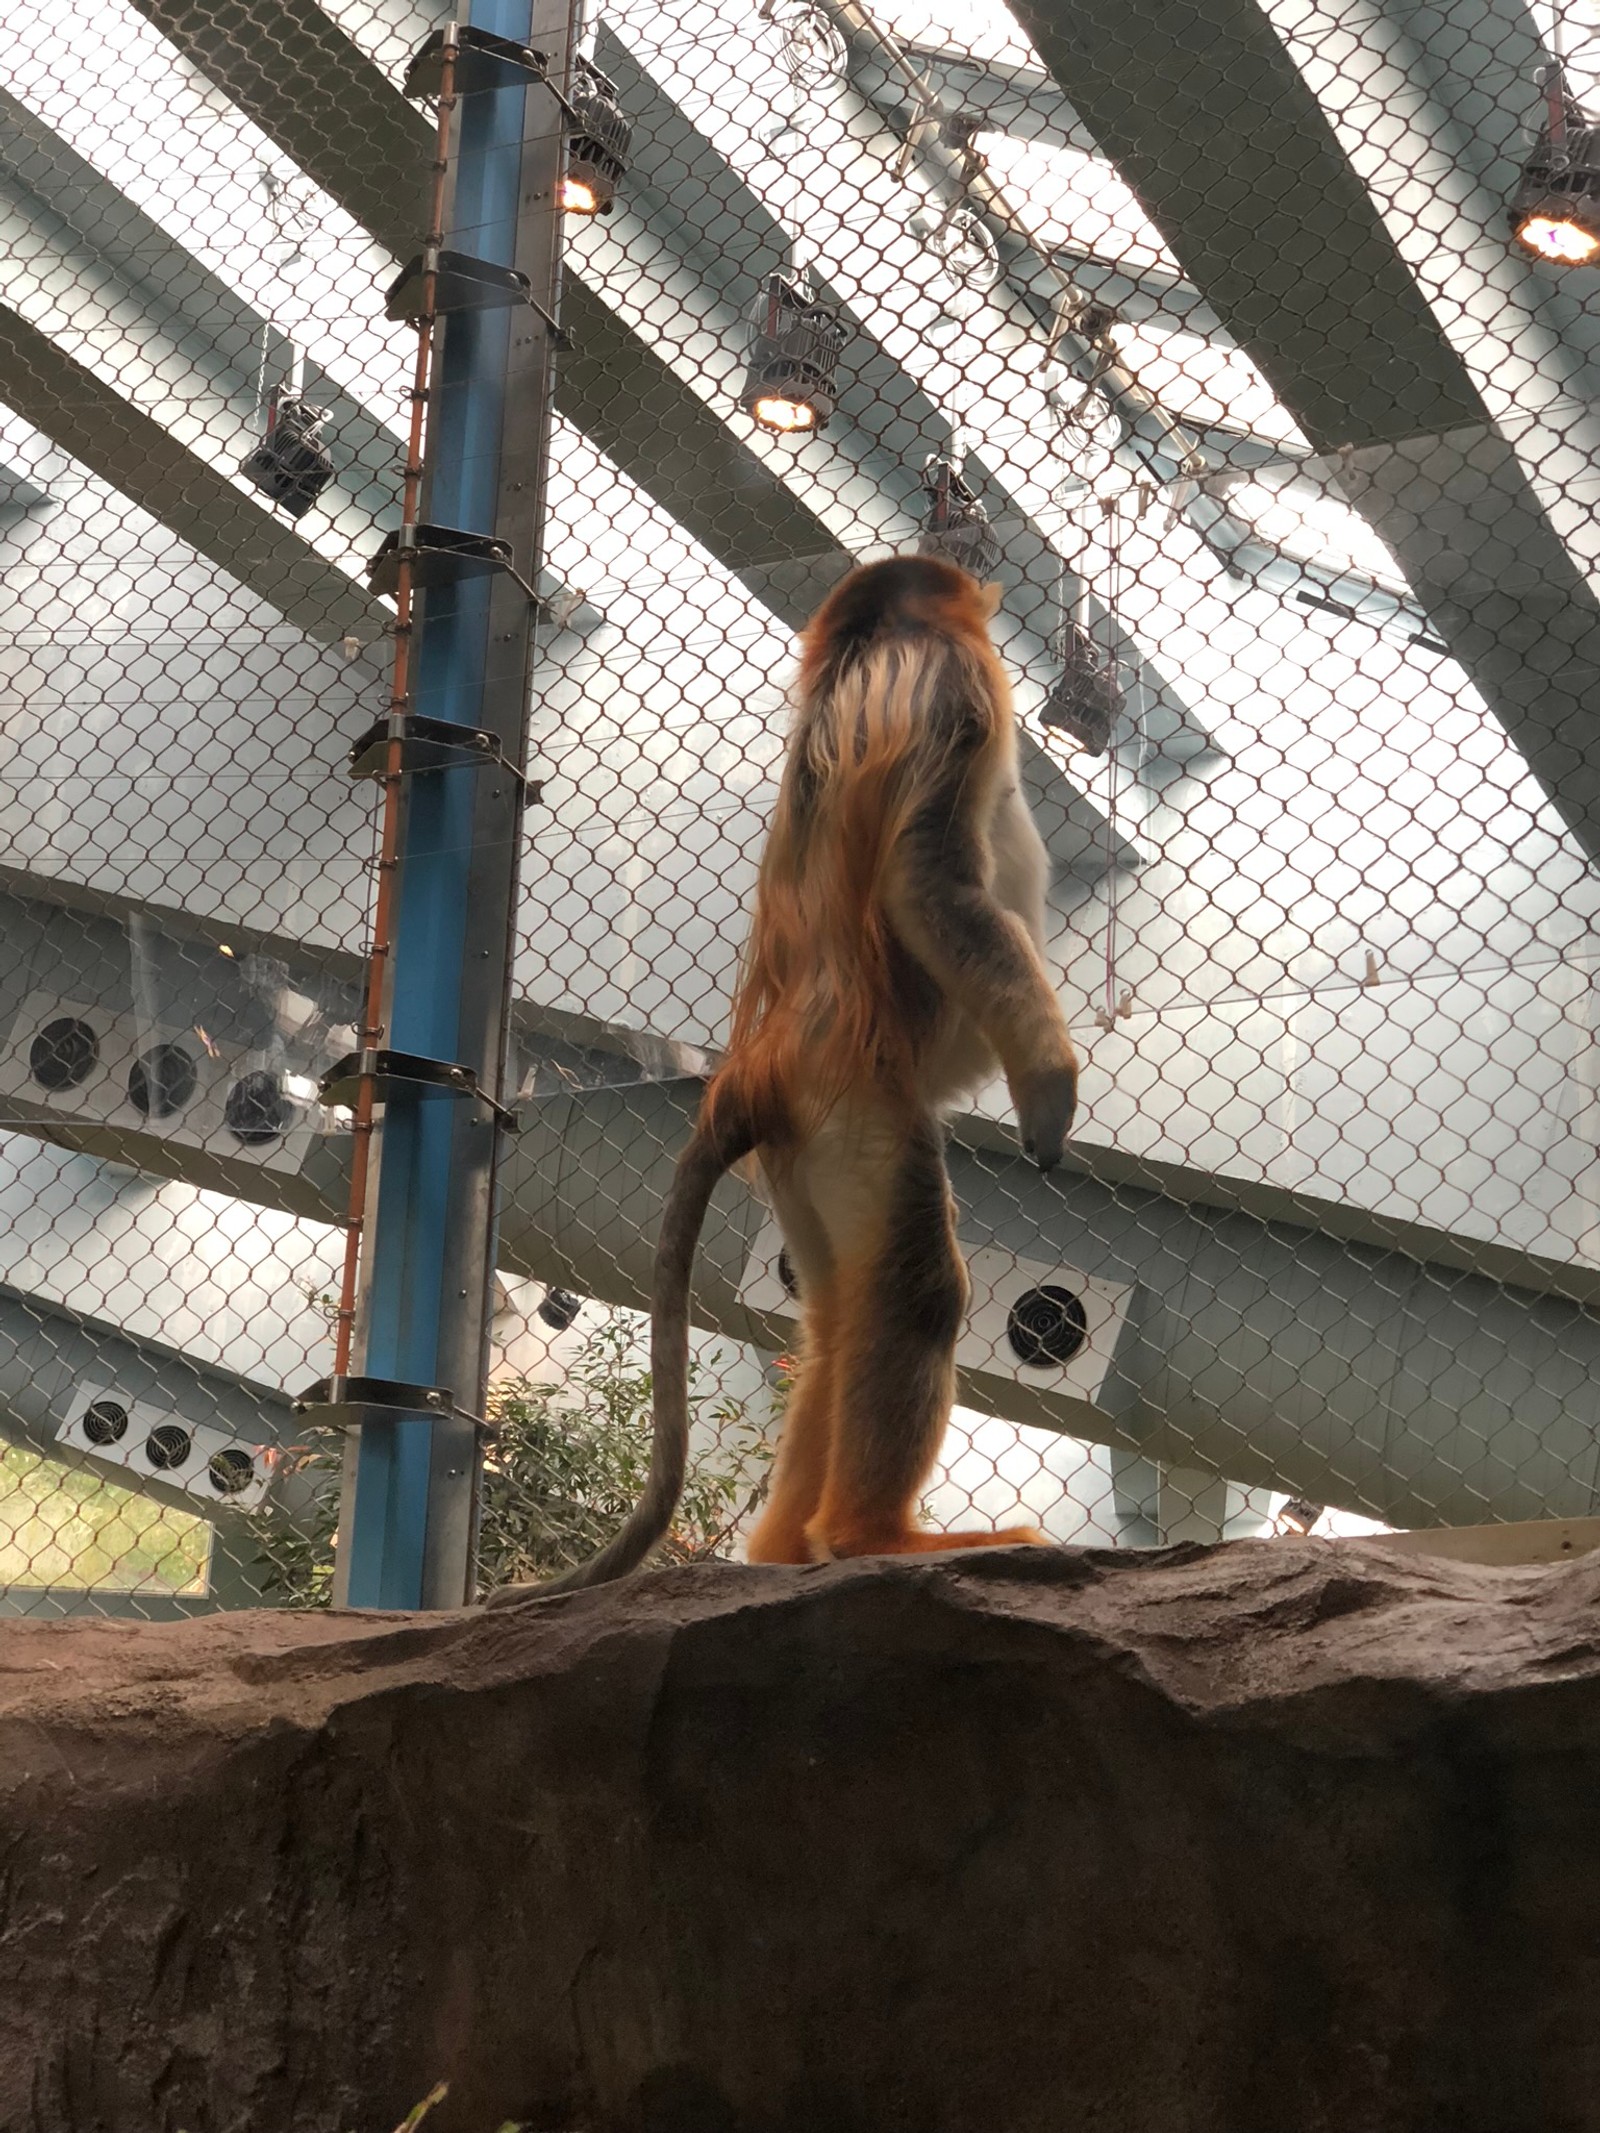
(814, 1013)
(892, 960)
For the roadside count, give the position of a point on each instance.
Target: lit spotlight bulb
(775, 413)
(1555, 212)
(1561, 241)
(578, 197)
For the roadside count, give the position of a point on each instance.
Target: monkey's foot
(912, 1542)
(784, 1545)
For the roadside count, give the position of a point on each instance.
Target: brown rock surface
(1273, 1838)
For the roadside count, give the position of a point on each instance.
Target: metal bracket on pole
(440, 555)
(482, 61)
(432, 744)
(460, 283)
(345, 1403)
(388, 1071)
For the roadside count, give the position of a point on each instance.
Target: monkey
(895, 958)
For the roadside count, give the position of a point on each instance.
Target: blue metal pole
(413, 1273)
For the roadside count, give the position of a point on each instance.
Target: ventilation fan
(1050, 1327)
(153, 1444)
(119, 1070)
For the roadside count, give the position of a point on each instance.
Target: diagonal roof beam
(336, 114)
(1213, 127)
(91, 270)
(1235, 163)
(137, 456)
(47, 1350)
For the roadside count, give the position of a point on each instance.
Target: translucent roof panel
(1200, 382)
(1292, 518)
(971, 29)
(1580, 42)
(1077, 201)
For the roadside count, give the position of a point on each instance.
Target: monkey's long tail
(701, 1168)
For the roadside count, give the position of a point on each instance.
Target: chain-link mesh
(1210, 336)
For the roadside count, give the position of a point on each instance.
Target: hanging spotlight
(291, 463)
(559, 1309)
(1299, 1515)
(1555, 212)
(794, 352)
(598, 139)
(957, 526)
(1085, 698)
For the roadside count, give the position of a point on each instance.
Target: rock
(1282, 1837)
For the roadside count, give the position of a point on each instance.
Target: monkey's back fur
(900, 700)
(894, 959)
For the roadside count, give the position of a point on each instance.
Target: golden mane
(891, 649)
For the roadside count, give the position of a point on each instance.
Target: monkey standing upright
(894, 959)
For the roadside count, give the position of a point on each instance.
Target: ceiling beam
(141, 459)
(47, 1351)
(1236, 164)
(89, 960)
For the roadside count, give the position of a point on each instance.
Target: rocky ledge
(1282, 1837)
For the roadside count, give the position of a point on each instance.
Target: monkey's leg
(901, 1299)
(801, 1466)
(984, 961)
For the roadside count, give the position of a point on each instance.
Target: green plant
(569, 1464)
(564, 1468)
(295, 1555)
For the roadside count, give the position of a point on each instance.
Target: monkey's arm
(982, 957)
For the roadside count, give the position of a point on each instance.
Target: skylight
(1309, 528)
(1078, 202)
(969, 29)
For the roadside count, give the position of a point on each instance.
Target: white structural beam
(1265, 198)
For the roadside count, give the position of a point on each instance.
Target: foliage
(570, 1460)
(566, 1466)
(295, 1556)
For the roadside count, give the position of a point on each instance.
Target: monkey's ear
(990, 597)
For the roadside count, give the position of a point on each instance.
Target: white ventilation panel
(1046, 1325)
(159, 1446)
(116, 1069)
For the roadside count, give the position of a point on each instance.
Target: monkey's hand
(1045, 1101)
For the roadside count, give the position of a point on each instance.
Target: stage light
(957, 526)
(1299, 1515)
(774, 412)
(291, 463)
(598, 140)
(1561, 238)
(794, 353)
(1085, 698)
(1555, 212)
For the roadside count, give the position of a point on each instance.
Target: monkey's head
(910, 593)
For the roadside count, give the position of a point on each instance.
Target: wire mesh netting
(1213, 342)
